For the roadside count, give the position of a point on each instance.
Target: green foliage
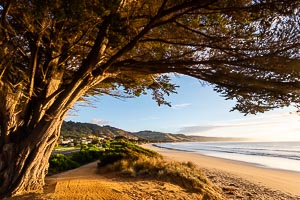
(60, 162)
(86, 154)
(106, 144)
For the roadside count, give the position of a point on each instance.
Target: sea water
(277, 155)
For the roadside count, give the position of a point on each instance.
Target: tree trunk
(24, 163)
(26, 145)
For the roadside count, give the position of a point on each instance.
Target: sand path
(83, 183)
(86, 183)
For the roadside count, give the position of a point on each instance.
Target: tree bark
(24, 163)
(26, 145)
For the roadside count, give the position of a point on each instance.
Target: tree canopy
(249, 50)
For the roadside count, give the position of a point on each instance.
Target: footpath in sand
(86, 183)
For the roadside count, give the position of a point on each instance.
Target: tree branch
(151, 24)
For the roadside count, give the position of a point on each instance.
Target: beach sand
(86, 182)
(240, 180)
(236, 180)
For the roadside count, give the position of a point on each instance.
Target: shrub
(110, 157)
(60, 162)
(119, 150)
(84, 157)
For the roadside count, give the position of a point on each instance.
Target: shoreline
(155, 145)
(227, 159)
(287, 182)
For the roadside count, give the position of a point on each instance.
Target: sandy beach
(235, 180)
(240, 178)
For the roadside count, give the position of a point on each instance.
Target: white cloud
(283, 127)
(99, 121)
(197, 129)
(181, 106)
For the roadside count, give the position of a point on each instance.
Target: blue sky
(196, 110)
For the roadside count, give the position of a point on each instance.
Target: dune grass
(134, 161)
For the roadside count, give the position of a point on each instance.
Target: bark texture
(28, 135)
(24, 164)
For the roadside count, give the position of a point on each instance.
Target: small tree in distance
(55, 53)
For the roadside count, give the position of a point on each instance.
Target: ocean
(276, 155)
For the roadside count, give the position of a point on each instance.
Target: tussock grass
(153, 166)
(190, 178)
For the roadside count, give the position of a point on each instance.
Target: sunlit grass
(135, 162)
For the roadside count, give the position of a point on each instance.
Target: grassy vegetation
(118, 150)
(60, 162)
(131, 160)
(134, 161)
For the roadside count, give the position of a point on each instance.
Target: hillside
(77, 130)
(152, 136)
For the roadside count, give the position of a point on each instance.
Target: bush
(110, 157)
(85, 156)
(60, 162)
(119, 150)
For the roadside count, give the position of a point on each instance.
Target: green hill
(77, 130)
(152, 136)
